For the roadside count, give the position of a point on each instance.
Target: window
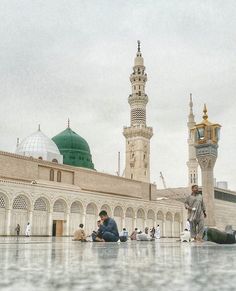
(55, 161)
(40, 158)
(139, 93)
(134, 87)
(58, 176)
(51, 175)
(131, 176)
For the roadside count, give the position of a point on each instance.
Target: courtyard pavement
(60, 264)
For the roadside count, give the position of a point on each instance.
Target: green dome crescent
(74, 148)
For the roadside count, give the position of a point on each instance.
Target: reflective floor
(60, 264)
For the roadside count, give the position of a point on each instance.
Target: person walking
(17, 229)
(28, 230)
(196, 213)
(158, 232)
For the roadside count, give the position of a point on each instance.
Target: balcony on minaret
(207, 132)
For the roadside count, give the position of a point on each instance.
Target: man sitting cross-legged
(108, 229)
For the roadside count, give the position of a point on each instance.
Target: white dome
(38, 145)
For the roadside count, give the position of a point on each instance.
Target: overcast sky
(61, 59)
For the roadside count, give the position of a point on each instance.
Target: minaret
(138, 135)
(192, 162)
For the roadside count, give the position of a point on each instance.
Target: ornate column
(50, 223)
(164, 228)
(68, 224)
(206, 143)
(8, 220)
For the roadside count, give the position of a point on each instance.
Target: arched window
(51, 175)
(40, 158)
(55, 161)
(58, 176)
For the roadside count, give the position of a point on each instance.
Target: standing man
(108, 229)
(196, 213)
(28, 230)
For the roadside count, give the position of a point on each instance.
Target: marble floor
(61, 264)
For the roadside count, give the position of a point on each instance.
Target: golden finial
(17, 142)
(205, 116)
(68, 123)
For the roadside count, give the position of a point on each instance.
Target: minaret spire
(138, 135)
(192, 163)
(138, 45)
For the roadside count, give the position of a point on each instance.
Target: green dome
(74, 148)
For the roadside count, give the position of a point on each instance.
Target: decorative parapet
(138, 130)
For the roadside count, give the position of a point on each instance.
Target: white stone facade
(43, 204)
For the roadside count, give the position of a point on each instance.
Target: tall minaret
(192, 160)
(138, 135)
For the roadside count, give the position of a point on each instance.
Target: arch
(160, 215)
(107, 209)
(55, 161)
(177, 217)
(91, 208)
(129, 212)
(118, 216)
(91, 217)
(140, 219)
(40, 217)
(58, 176)
(59, 205)
(40, 204)
(4, 203)
(177, 224)
(76, 207)
(51, 176)
(76, 215)
(21, 202)
(129, 219)
(20, 213)
(151, 214)
(118, 211)
(169, 216)
(140, 213)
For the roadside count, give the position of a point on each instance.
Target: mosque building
(53, 184)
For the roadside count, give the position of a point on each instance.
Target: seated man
(142, 236)
(185, 236)
(219, 237)
(108, 229)
(96, 232)
(79, 234)
(124, 235)
(133, 235)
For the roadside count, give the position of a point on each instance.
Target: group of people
(107, 231)
(196, 214)
(27, 230)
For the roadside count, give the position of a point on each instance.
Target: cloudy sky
(73, 58)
